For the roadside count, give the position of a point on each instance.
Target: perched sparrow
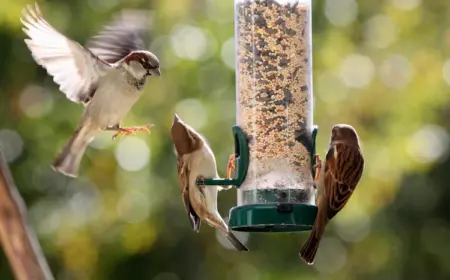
(196, 160)
(107, 77)
(343, 167)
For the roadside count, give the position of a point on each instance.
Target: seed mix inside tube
(274, 99)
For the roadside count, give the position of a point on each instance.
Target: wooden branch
(16, 237)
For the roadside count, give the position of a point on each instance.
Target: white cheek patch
(137, 70)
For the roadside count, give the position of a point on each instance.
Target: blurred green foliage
(381, 66)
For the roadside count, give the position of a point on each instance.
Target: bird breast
(203, 163)
(113, 99)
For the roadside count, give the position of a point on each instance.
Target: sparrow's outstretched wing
(74, 68)
(120, 37)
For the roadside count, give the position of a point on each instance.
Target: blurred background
(381, 66)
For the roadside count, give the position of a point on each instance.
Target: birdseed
(275, 99)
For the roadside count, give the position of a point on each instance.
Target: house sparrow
(196, 160)
(343, 167)
(107, 77)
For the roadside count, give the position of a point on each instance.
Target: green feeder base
(273, 217)
(267, 210)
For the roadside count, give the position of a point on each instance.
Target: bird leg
(231, 165)
(317, 166)
(125, 131)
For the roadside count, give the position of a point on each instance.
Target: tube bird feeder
(274, 136)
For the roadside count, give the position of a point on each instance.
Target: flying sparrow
(107, 76)
(342, 169)
(196, 160)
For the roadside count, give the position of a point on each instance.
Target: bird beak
(154, 72)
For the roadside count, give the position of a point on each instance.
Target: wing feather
(74, 68)
(120, 37)
(183, 176)
(343, 169)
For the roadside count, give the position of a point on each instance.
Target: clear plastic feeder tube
(274, 99)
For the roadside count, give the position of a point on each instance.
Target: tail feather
(215, 220)
(309, 249)
(68, 160)
(236, 243)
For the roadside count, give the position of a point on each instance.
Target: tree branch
(17, 238)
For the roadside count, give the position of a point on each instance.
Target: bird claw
(231, 165)
(317, 166)
(203, 180)
(125, 131)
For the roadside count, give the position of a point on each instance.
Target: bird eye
(143, 60)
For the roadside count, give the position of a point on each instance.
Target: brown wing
(343, 168)
(183, 176)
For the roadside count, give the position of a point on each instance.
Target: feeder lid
(274, 217)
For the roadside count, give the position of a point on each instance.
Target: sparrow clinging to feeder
(341, 172)
(107, 76)
(195, 160)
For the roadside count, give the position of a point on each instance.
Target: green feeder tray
(273, 217)
(279, 213)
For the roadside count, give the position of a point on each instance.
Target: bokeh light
(331, 255)
(355, 229)
(227, 53)
(36, 101)
(193, 43)
(357, 70)
(133, 207)
(446, 71)
(11, 144)
(132, 154)
(381, 31)
(396, 71)
(406, 4)
(101, 141)
(192, 112)
(429, 143)
(341, 13)
(330, 87)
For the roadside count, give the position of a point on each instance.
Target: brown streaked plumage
(196, 160)
(342, 170)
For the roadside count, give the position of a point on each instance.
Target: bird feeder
(274, 136)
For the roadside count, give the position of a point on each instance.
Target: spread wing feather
(120, 37)
(74, 68)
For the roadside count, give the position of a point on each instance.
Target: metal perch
(17, 238)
